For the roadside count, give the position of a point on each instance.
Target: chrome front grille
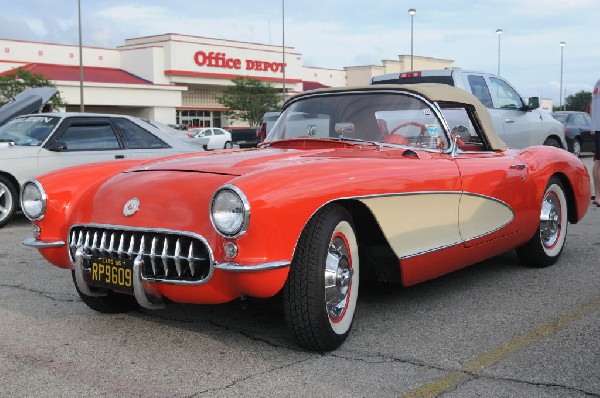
(168, 256)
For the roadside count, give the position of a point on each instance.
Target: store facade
(170, 78)
(176, 78)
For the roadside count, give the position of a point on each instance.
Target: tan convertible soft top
(437, 92)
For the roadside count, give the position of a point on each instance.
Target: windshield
(381, 117)
(561, 117)
(28, 130)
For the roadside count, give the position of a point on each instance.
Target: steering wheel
(394, 138)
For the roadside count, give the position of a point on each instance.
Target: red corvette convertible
(396, 183)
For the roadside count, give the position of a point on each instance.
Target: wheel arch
(570, 194)
(378, 260)
(555, 137)
(14, 181)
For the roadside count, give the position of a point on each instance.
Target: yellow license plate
(112, 273)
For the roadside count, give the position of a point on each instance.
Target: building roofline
(210, 38)
(58, 44)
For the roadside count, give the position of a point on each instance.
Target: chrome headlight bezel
(43, 199)
(245, 212)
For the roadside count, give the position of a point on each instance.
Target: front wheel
(547, 244)
(553, 142)
(8, 201)
(320, 294)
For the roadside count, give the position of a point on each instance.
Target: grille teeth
(165, 256)
(171, 256)
(111, 245)
(131, 245)
(190, 259)
(103, 242)
(177, 257)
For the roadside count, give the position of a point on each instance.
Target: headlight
(230, 211)
(33, 200)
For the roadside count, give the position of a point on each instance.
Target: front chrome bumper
(143, 292)
(40, 244)
(235, 267)
(143, 289)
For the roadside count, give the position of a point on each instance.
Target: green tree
(248, 99)
(20, 80)
(577, 102)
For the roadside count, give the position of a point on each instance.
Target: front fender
(65, 189)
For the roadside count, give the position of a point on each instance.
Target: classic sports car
(353, 183)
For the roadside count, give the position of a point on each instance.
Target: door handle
(509, 120)
(119, 156)
(517, 166)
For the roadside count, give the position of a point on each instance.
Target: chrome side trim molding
(40, 244)
(235, 267)
(435, 249)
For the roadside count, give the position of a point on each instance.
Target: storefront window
(199, 118)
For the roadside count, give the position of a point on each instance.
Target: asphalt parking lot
(496, 329)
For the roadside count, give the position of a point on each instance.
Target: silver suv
(518, 123)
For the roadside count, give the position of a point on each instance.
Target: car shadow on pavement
(262, 320)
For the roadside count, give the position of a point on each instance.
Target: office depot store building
(170, 78)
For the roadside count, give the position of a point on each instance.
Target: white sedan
(212, 137)
(35, 144)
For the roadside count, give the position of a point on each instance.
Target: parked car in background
(212, 137)
(246, 137)
(578, 126)
(267, 123)
(168, 129)
(361, 182)
(518, 123)
(35, 144)
(26, 102)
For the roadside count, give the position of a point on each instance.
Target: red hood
(238, 163)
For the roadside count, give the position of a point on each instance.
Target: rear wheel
(576, 147)
(112, 303)
(8, 200)
(552, 142)
(228, 145)
(322, 288)
(547, 244)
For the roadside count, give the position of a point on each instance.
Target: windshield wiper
(7, 140)
(349, 139)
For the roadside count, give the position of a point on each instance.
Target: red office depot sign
(220, 60)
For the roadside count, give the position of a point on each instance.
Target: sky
(335, 34)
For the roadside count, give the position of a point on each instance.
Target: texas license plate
(112, 273)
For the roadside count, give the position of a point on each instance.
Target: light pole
(499, 33)
(411, 12)
(81, 106)
(562, 47)
(283, 43)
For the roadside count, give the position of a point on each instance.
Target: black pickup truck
(245, 137)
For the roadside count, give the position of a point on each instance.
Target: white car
(519, 123)
(35, 144)
(165, 128)
(212, 137)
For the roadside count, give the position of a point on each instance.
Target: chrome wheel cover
(550, 220)
(338, 278)
(6, 201)
(576, 148)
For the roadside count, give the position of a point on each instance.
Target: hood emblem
(131, 207)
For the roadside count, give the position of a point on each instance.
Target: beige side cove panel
(480, 216)
(419, 223)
